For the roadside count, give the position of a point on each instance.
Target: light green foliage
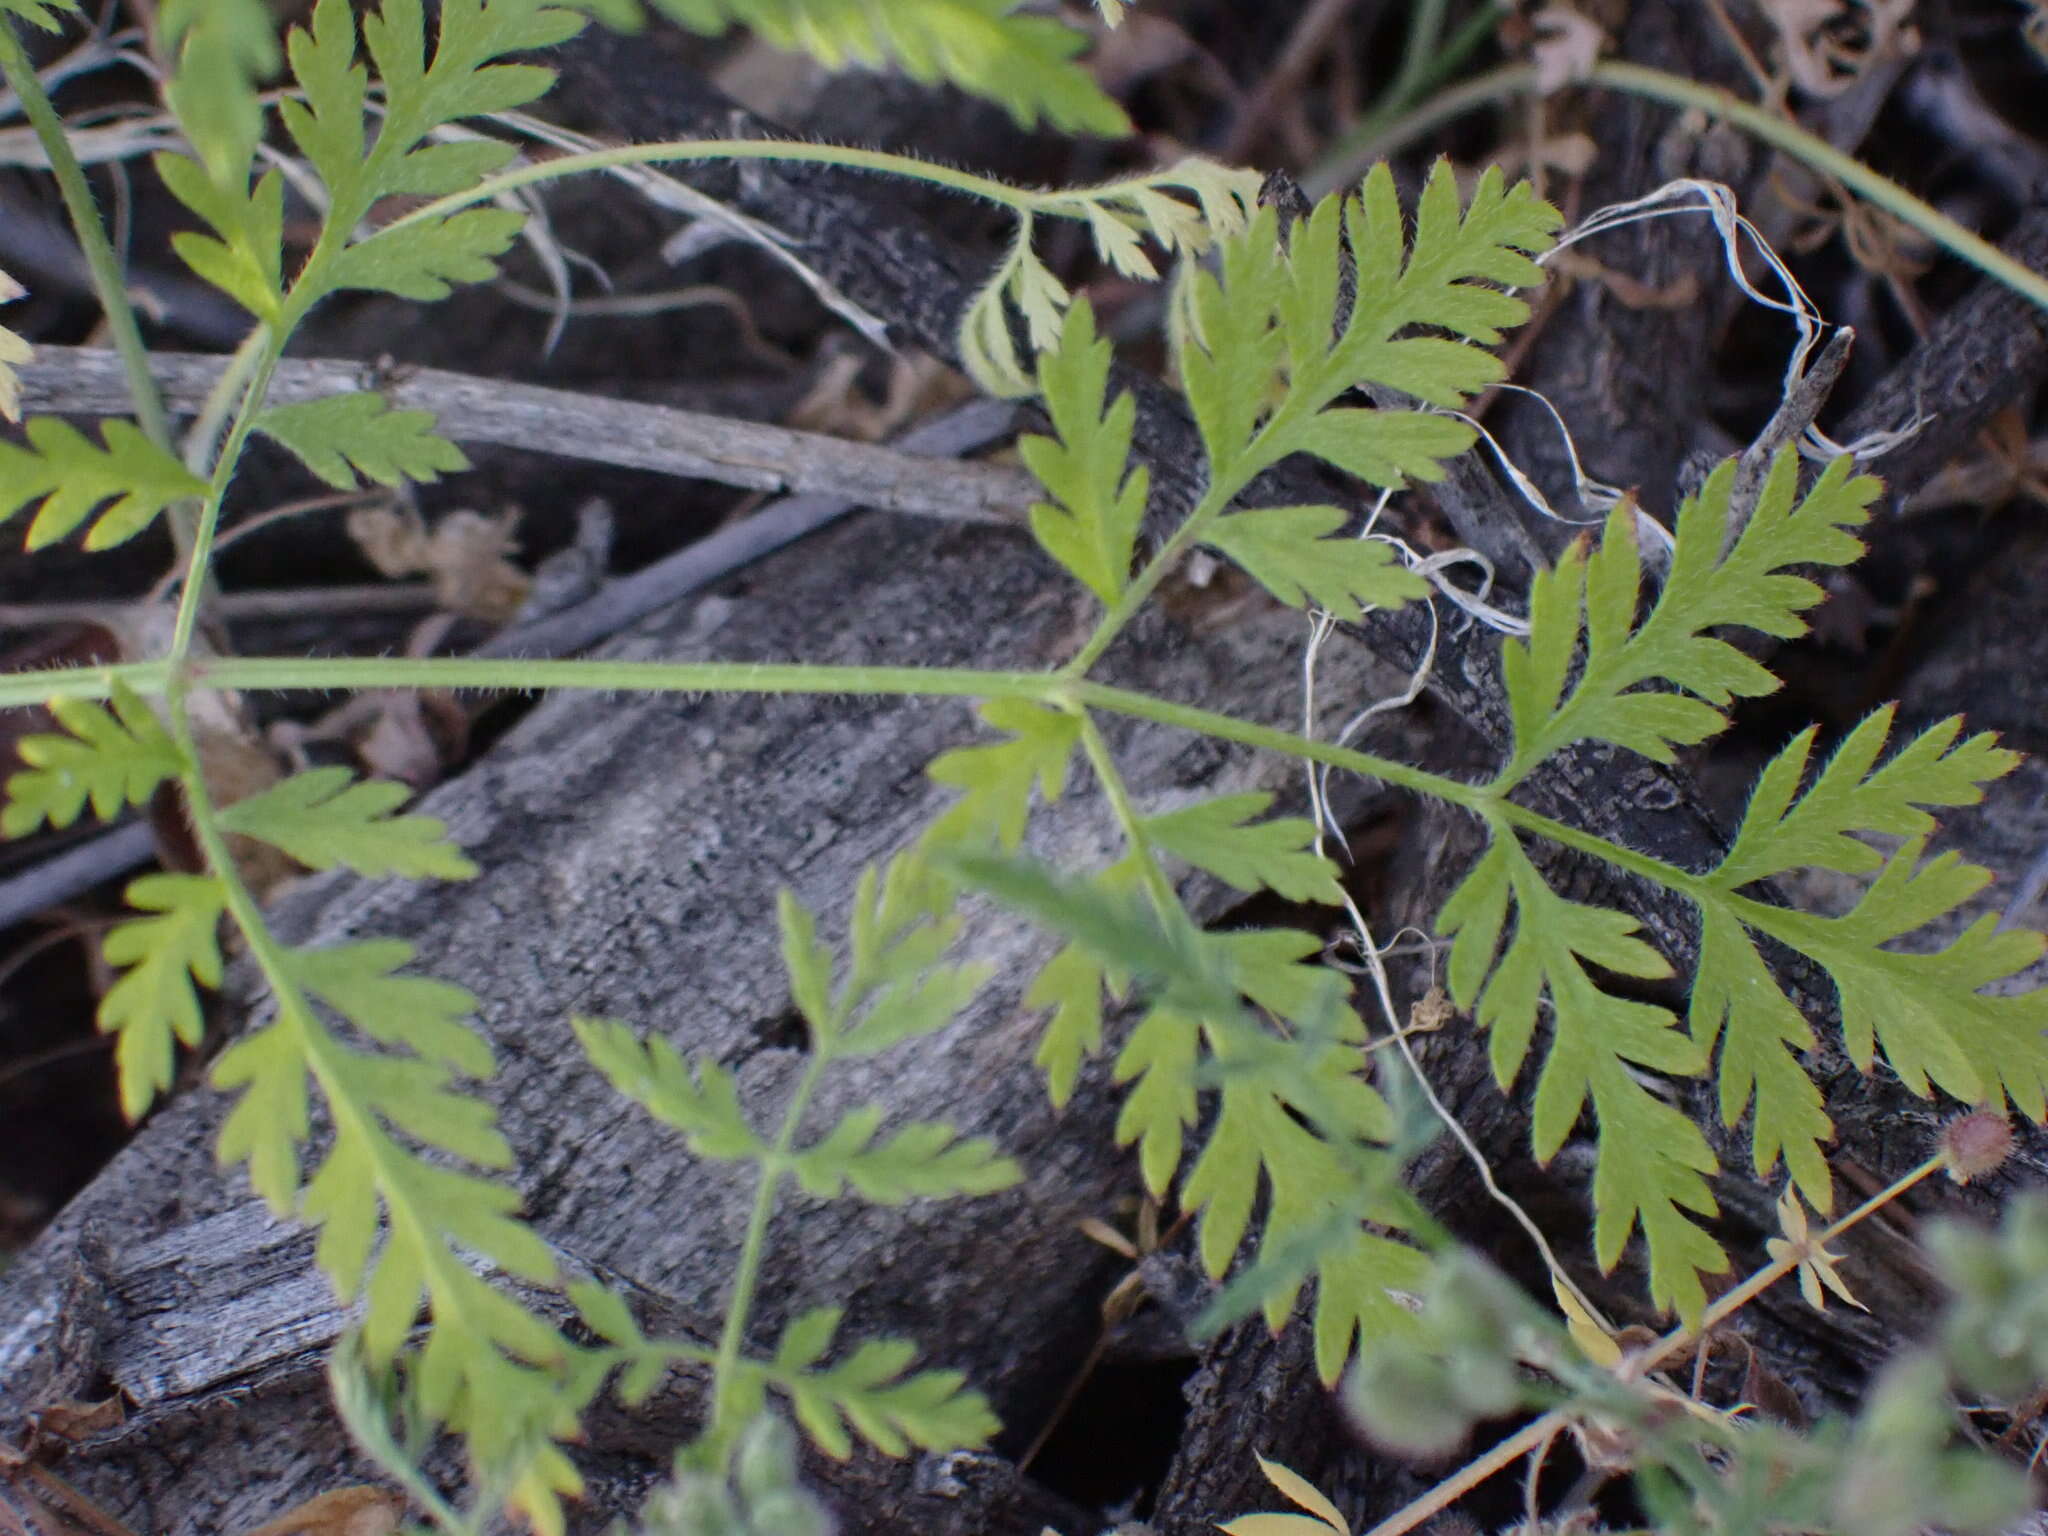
(699, 1099)
(221, 49)
(482, 1365)
(324, 818)
(1267, 344)
(1896, 1468)
(40, 13)
(114, 759)
(1245, 1070)
(1090, 524)
(1653, 1160)
(994, 48)
(1420, 1392)
(1294, 1116)
(329, 120)
(68, 476)
(758, 1495)
(869, 1392)
(996, 781)
(1928, 1010)
(344, 436)
(1661, 683)
(924, 1161)
(1121, 216)
(1751, 585)
(1296, 554)
(487, 1365)
(1271, 338)
(1223, 837)
(161, 957)
(894, 986)
(1996, 1328)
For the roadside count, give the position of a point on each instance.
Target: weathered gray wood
(632, 849)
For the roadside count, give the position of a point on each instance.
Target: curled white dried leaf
(13, 352)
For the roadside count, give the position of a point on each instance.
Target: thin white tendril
(1691, 195)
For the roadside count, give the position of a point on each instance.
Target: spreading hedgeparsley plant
(1244, 1077)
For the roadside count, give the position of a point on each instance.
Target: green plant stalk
(217, 411)
(845, 156)
(1165, 901)
(1424, 66)
(316, 1045)
(101, 263)
(1537, 1432)
(1055, 690)
(1135, 596)
(1377, 136)
(1780, 133)
(199, 555)
(753, 1247)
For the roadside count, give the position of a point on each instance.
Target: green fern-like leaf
(487, 1364)
(992, 48)
(1296, 554)
(868, 1393)
(112, 759)
(363, 982)
(40, 13)
(1289, 321)
(68, 477)
(325, 819)
(1182, 210)
(1293, 1115)
(1222, 836)
(222, 49)
(925, 1161)
(1267, 342)
(156, 1002)
(701, 1100)
(1785, 829)
(243, 256)
(344, 436)
(996, 781)
(328, 118)
(1751, 586)
(1653, 1162)
(1591, 670)
(1097, 504)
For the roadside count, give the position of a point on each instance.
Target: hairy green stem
(1165, 900)
(1065, 202)
(100, 261)
(1676, 90)
(1782, 133)
(199, 557)
(747, 1273)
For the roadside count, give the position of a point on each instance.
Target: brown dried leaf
(360, 1510)
(466, 554)
(1826, 45)
(1566, 48)
(13, 352)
